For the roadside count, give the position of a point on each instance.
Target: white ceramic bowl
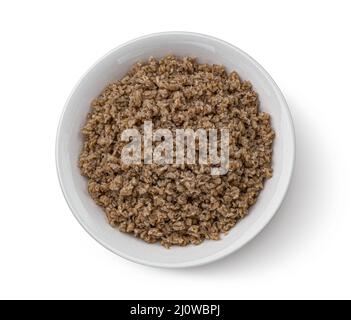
(112, 67)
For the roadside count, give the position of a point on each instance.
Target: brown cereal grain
(176, 204)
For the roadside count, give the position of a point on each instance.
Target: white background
(45, 46)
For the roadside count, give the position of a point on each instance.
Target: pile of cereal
(176, 204)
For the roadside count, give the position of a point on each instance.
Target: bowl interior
(112, 67)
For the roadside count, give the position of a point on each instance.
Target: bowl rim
(230, 248)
